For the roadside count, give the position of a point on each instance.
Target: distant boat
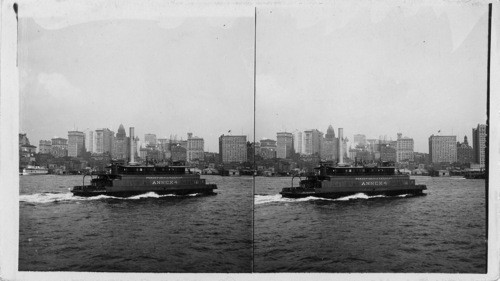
(33, 170)
(475, 175)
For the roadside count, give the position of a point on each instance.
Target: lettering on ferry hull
(374, 183)
(165, 182)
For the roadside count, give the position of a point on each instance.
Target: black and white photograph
(249, 140)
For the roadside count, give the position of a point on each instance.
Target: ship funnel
(132, 161)
(341, 144)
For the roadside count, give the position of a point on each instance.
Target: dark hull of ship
(301, 192)
(89, 191)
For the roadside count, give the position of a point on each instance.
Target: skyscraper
(465, 153)
(268, 148)
(479, 144)
(121, 143)
(329, 148)
(443, 149)
(312, 141)
(195, 148)
(284, 145)
(298, 142)
(232, 148)
(104, 140)
(404, 149)
(76, 143)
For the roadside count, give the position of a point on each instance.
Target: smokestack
(341, 144)
(132, 145)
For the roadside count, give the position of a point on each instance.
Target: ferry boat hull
(301, 193)
(89, 191)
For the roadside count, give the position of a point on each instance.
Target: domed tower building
(121, 144)
(330, 145)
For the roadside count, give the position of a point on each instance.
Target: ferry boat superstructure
(335, 182)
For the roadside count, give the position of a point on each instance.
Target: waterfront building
(26, 151)
(443, 149)
(268, 148)
(360, 139)
(479, 144)
(121, 144)
(404, 149)
(44, 146)
(233, 148)
(388, 153)
(59, 147)
(178, 153)
(150, 139)
(465, 153)
(104, 140)
(284, 145)
(312, 142)
(76, 143)
(195, 148)
(372, 145)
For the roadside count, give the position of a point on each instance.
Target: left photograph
(135, 138)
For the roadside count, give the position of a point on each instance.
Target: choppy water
(145, 233)
(444, 231)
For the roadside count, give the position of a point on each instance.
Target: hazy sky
(414, 70)
(375, 70)
(167, 77)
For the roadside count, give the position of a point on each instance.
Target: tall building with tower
(76, 143)
(465, 153)
(284, 145)
(443, 149)
(121, 143)
(479, 144)
(232, 149)
(329, 148)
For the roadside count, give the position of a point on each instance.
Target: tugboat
(133, 179)
(336, 182)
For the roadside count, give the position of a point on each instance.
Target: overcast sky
(409, 69)
(373, 70)
(167, 77)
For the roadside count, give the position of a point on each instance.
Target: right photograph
(371, 138)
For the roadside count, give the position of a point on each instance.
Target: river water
(444, 231)
(60, 232)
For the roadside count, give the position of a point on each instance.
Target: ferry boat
(33, 170)
(340, 181)
(124, 180)
(130, 180)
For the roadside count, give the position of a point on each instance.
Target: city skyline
(308, 62)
